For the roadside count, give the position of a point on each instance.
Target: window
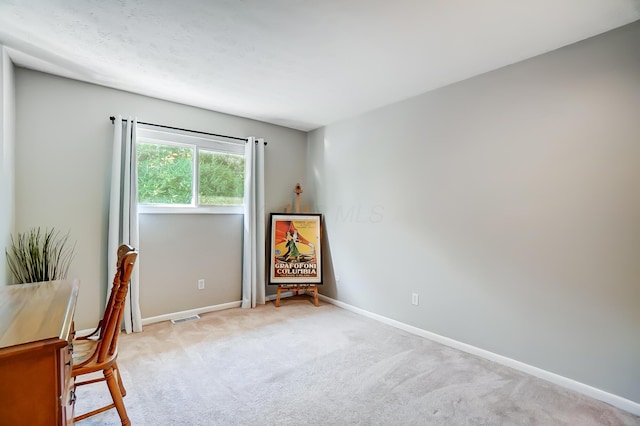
(179, 172)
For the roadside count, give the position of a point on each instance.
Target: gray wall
(510, 202)
(184, 249)
(7, 143)
(63, 157)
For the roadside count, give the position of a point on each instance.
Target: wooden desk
(36, 330)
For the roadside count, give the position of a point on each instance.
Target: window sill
(146, 209)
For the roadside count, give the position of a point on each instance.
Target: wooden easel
(298, 190)
(308, 289)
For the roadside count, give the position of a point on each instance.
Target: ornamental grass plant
(36, 256)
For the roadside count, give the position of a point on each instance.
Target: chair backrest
(113, 318)
(122, 251)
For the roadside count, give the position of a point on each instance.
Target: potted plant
(35, 256)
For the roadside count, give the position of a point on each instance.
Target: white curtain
(253, 259)
(123, 213)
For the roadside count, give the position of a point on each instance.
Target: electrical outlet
(201, 284)
(414, 298)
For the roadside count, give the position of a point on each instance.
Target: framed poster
(295, 249)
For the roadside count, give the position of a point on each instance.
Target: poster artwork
(295, 249)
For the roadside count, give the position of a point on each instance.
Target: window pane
(165, 174)
(221, 180)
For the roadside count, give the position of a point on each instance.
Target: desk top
(37, 311)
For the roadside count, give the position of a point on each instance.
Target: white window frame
(146, 134)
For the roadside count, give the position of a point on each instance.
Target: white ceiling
(297, 63)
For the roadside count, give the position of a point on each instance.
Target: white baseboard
(176, 315)
(190, 312)
(204, 310)
(590, 391)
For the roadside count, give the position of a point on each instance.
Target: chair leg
(123, 391)
(114, 389)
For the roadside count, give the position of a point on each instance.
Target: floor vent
(181, 320)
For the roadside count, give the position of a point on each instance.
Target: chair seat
(83, 349)
(85, 361)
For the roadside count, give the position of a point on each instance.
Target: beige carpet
(302, 365)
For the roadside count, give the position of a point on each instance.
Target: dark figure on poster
(292, 254)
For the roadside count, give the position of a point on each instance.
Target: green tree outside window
(166, 175)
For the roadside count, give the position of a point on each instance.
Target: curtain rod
(113, 119)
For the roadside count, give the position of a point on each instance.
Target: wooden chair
(98, 351)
